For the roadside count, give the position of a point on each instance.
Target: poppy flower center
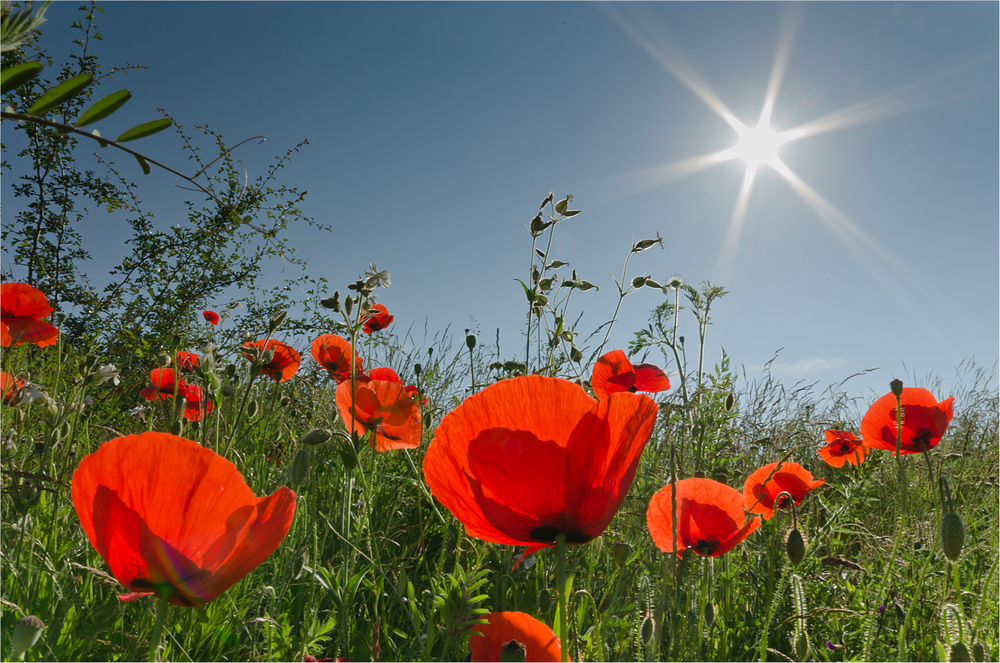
(921, 441)
(548, 534)
(706, 547)
(844, 448)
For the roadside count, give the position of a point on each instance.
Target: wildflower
(379, 318)
(334, 354)
(211, 317)
(613, 373)
(502, 627)
(165, 385)
(10, 387)
(283, 365)
(186, 361)
(174, 519)
(374, 277)
(710, 518)
(391, 376)
(762, 489)
(924, 421)
(196, 403)
(31, 392)
(531, 458)
(385, 409)
(108, 373)
(22, 308)
(842, 446)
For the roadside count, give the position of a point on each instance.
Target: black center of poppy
(783, 502)
(844, 448)
(548, 534)
(706, 547)
(921, 441)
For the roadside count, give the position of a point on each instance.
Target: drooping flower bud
(795, 546)
(316, 437)
(26, 633)
(952, 535)
(647, 629)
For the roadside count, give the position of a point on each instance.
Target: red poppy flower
(283, 365)
(22, 308)
(211, 317)
(539, 640)
(924, 421)
(383, 407)
(532, 457)
(173, 518)
(761, 489)
(390, 375)
(10, 387)
(196, 403)
(613, 373)
(710, 518)
(164, 385)
(334, 354)
(186, 361)
(842, 446)
(379, 319)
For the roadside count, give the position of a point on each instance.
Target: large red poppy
(924, 421)
(390, 375)
(283, 365)
(842, 446)
(22, 308)
(710, 518)
(539, 640)
(379, 318)
(384, 408)
(10, 387)
(211, 317)
(762, 488)
(531, 458)
(165, 385)
(187, 361)
(614, 372)
(334, 354)
(171, 517)
(196, 403)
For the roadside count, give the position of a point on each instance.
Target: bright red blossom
(710, 518)
(379, 319)
(164, 385)
(842, 446)
(283, 365)
(186, 361)
(10, 387)
(22, 308)
(390, 375)
(196, 402)
(539, 640)
(172, 518)
(924, 421)
(613, 373)
(334, 354)
(383, 408)
(211, 317)
(762, 488)
(531, 458)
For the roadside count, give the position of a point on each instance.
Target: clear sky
(436, 129)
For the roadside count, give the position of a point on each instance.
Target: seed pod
(575, 354)
(252, 408)
(638, 281)
(418, 369)
(176, 427)
(795, 546)
(316, 437)
(513, 651)
(647, 629)
(959, 652)
(300, 467)
(470, 340)
(897, 387)
(709, 614)
(537, 224)
(26, 633)
(285, 401)
(952, 535)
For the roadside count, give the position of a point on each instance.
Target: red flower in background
(211, 317)
(710, 518)
(381, 407)
(924, 421)
(334, 354)
(613, 373)
(164, 385)
(842, 446)
(283, 365)
(172, 518)
(390, 375)
(379, 319)
(531, 458)
(539, 640)
(762, 488)
(196, 403)
(22, 308)
(186, 361)
(10, 386)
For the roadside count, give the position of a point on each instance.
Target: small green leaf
(11, 77)
(60, 93)
(104, 107)
(142, 164)
(143, 130)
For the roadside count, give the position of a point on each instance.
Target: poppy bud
(897, 387)
(227, 390)
(513, 651)
(730, 402)
(300, 467)
(952, 535)
(26, 633)
(802, 646)
(709, 614)
(978, 652)
(163, 359)
(231, 371)
(9, 448)
(638, 281)
(470, 340)
(647, 629)
(959, 652)
(316, 436)
(252, 408)
(418, 369)
(176, 427)
(277, 319)
(795, 546)
(285, 401)
(348, 304)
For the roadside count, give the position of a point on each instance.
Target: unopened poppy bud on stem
(952, 535)
(513, 651)
(470, 340)
(959, 652)
(795, 546)
(647, 629)
(26, 633)
(896, 386)
(316, 437)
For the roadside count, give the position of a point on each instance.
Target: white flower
(106, 373)
(373, 277)
(31, 392)
(528, 562)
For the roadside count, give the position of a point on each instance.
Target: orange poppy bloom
(710, 518)
(762, 488)
(285, 363)
(532, 457)
(379, 318)
(384, 408)
(924, 421)
(10, 387)
(334, 354)
(22, 308)
(186, 361)
(541, 643)
(164, 385)
(211, 317)
(613, 372)
(390, 375)
(173, 518)
(196, 404)
(842, 446)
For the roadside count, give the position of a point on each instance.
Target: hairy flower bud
(26, 633)
(795, 546)
(316, 436)
(300, 467)
(952, 535)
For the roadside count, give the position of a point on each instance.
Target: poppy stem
(161, 614)
(899, 459)
(563, 598)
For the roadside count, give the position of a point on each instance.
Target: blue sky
(436, 129)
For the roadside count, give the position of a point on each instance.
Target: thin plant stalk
(563, 598)
(157, 635)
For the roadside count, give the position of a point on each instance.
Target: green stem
(563, 598)
(161, 614)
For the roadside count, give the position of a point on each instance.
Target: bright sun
(757, 146)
